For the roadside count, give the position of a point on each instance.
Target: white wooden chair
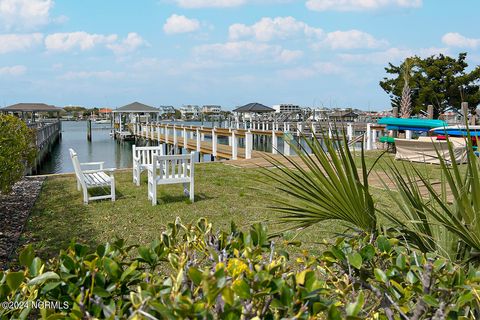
(87, 179)
(142, 158)
(171, 169)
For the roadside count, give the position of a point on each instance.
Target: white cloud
(76, 40)
(209, 3)
(277, 28)
(132, 42)
(246, 51)
(393, 55)
(357, 5)
(24, 14)
(454, 39)
(17, 70)
(19, 42)
(180, 24)
(323, 68)
(351, 39)
(103, 75)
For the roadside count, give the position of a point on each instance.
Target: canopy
(136, 107)
(254, 107)
(31, 107)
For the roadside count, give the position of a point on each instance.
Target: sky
(316, 53)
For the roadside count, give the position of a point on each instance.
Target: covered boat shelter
(134, 112)
(30, 112)
(249, 111)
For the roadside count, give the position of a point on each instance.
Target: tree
(406, 100)
(17, 150)
(438, 80)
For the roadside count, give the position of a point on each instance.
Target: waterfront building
(286, 108)
(252, 111)
(134, 113)
(190, 112)
(33, 112)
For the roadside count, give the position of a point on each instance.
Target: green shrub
(17, 150)
(194, 272)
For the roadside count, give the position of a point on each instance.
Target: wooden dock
(241, 141)
(46, 135)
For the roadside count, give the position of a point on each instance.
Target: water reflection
(101, 148)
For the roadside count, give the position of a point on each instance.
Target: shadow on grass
(165, 198)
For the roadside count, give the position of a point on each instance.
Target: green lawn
(222, 194)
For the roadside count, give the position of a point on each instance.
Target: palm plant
(327, 185)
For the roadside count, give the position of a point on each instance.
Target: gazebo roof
(254, 107)
(31, 107)
(136, 107)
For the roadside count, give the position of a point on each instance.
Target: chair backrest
(146, 153)
(76, 166)
(174, 166)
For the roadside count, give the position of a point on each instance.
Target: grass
(222, 194)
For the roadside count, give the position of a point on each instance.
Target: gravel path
(14, 211)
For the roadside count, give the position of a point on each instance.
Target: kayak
(398, 128)
(457, 131)
(412, 123)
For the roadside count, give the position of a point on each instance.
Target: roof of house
(254, 107)
(105, 110)
(343, 114)
(30, 107)
(136, 107)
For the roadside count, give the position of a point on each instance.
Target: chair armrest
(100, 170)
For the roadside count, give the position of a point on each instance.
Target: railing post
(299, 129)
(185, 138)
(408, 134)
(166, 135)
(369, 137)
(214, 142)
(158, 132)
(248, 144)
(230, 137)
(286, 145)
(199, 141)
(234, 145)
(349, 132)
(175, 139)
(274, 143)
(374, 139)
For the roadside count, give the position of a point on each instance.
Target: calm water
(101, 148)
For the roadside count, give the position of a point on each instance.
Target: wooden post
(214, 142)
(89, 130)
(299, 129)
(199, 142)
(374, 139)
(248, 145)
(185, 139)
(234, 146)
(286, 144)
(408, 134)
(166, 135)
(158, 133)
(369, 137)
(230, 137)
(465, 111)
(395, 112)
(349, 132)
(274, 143)
(175, 139)
(430, 111)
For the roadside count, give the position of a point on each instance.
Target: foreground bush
(17, 150)
(193, 272)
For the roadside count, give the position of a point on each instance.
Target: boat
(457, 131)
(422, 125)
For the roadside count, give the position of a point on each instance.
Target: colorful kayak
(399, 128)
(457, 131)
(412, 123)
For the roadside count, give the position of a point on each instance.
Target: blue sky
(317, 53)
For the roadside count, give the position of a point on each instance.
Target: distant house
(251, 110)
(190, 112)
(105, 113)
(167, 111)
(286, 108)
(343, 116)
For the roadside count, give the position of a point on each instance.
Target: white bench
(171, 169)
(96, 178)
(142, 158)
